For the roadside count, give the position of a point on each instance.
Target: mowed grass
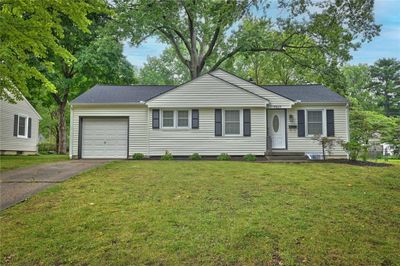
(182, 212)
(10, 162)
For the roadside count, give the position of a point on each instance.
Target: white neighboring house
(19, 128)
(212, 114)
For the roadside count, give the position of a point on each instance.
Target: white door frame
(285, 129)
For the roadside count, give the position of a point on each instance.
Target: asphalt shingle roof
(137, 93)
(121, 94)
(315, 93)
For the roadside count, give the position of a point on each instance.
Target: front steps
(285, 156)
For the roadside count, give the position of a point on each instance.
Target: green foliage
(200, 32)
(353, 149)
(47, 147)
(365, 125)
(195, 156)
(165, 70)
(385, 83)
(250, 157)
(138, 156)
(33, 31)
(167, 156)
(358, 80)
(224, 157)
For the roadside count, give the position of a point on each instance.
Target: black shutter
(218, 122)
(15, 125)
(195, 118)
(246, 122)
(330, 123)
(301, 129)
(29, 127)
(156, 118)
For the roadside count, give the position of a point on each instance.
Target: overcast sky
(387, 13)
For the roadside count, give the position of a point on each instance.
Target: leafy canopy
(32, 29)
(201, 32)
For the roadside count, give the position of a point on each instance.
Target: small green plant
(167, 156)
(224, 157)
(195, 156)
(250, 157)
(138, 156)
(364, 154)
(352, 148)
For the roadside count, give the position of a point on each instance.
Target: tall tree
(202, 31)
(385, 74)
(99, 59)
(358, 79)
(32, 30)
(164, 70)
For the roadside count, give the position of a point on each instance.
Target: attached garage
(103, 137)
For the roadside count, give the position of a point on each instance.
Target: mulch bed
(357, 163)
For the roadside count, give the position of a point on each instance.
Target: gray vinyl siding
(307, 144)
(276, 101)
(203, 141)
(9, 142)
(207, 91)
(138, 124)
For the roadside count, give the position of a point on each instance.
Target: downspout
(71, 131)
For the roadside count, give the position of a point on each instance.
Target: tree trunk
(62, 130)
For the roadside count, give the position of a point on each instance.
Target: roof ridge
(312, 84)
(133, 85)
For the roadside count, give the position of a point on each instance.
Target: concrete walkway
(17, 185)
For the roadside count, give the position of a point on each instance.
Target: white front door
(104, 137)
(277, 128)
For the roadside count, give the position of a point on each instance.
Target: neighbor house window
(183, 118)
(314, 122)
(168, 119)
(175, 118)
(232, 122)
(22, 126)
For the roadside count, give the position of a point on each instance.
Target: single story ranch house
(215, 113)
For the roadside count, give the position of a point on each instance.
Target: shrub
(138, 156)
(195, 156)
(167, 156)
(352, 148)
(249, 157)
(224, 157)
(47, 148)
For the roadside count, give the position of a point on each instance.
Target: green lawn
(9, 162)
(182, 212)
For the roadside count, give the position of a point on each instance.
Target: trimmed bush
(224, 157)
(250, 157)
(138, 156)
(195, 156)
(167, 156)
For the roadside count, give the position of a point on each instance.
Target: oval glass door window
(275, 123)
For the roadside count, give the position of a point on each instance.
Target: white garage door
(104, 137)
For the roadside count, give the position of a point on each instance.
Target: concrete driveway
(17, 185)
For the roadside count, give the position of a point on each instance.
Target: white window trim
(240, 120)
(323, 121)
(175, 119)
(26, 127)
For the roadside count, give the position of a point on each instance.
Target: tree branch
(176, 46)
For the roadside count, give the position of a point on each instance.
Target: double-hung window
(314, 122)
(183, 118)
(232, 122)
(175, 118)
(168, 119)
(22, 126)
